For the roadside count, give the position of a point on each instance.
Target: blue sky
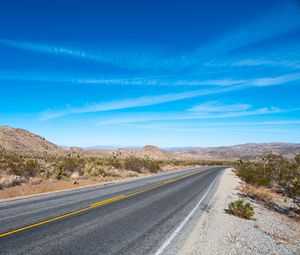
(168, 73)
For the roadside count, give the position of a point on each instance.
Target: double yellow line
(94, 205)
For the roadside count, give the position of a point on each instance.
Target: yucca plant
(241, 209)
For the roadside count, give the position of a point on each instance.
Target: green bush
(94, 169)
(73, 164)
(21, 166)
(241, 209)
(152, 165)
(275, 172)
(253, 173)
(133, 164)
(31, 168)
(59, 173)
(197, 162)
(140, 164)
(115, 161)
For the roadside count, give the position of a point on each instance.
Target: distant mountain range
(112, 147)
(24, 142)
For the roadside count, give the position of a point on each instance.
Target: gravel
(219, 233)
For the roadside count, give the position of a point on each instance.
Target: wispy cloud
(215, 127)
(263, 28)
(282, 79)
(198, 63)
(122, 55)
(153, 117)
(165, 98)
(192, 80)
(267, 62)
(122, 104)
(217, 107)
(154, 60)
(98, 79)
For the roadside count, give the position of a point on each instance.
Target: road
(147, 215)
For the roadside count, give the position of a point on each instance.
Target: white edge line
(177, 230)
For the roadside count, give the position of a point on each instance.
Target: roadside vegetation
(241, 209)
(16, 169)
(273, 181)
(25, 168)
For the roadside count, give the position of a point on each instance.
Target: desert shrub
(59, 173)
(275, 172)
(31, 168)
(241, 209)
(140, 164)
(253, 173)
(115, 160)
(2, 151)
(291, 187)
(289, 180)
(133, 164)
(21, 166)
(111, 172)
(72, 164)
(297, 159)
(11, 164)
(152, 165)
(94, 169)
(198, 162)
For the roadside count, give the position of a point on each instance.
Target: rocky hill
(146, 151)
(21, 141)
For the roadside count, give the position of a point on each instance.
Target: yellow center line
(107, 201)
(97, 204)
(44, 222)
(144, 190)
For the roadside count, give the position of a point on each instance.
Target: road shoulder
(219, 233)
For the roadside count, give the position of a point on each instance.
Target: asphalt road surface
(147, 215)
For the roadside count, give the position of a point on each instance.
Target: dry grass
(259, 193)
(272, 200)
